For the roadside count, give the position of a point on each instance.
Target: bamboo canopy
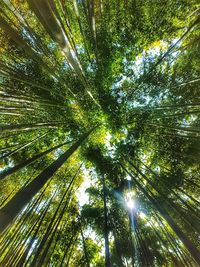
(99, 133)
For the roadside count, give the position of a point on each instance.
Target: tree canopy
(99, 133)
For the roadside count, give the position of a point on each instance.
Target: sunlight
(129, 200)
(130, 204)
(128, 177)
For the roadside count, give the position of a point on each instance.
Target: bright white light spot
(130, 204)
(128, 177)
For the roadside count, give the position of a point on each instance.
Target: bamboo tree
(169, 201)
(22, 197)
(188, 244)
(25, 163)
(54, 54)
(22, 147)
(106, 232)
(71, 241)
(28, 127)
(85, 248)
(54, 223)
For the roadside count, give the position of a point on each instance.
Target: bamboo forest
(99, 133)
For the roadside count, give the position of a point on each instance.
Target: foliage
(114, 86)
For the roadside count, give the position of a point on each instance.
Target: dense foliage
(99, 133)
